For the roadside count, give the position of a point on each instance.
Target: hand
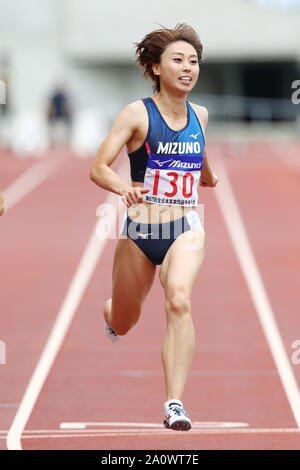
(210, 179)
(133, 195)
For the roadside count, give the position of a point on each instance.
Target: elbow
(93, 174)
(96, 174)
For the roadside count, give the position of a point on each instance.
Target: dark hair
(149, 50)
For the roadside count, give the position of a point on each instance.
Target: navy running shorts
(155, 239)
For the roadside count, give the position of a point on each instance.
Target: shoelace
(179, 411)
(112, 332)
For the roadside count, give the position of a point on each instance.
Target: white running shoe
(176, 418)
(111, 334)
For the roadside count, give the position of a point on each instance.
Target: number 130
(188, 179)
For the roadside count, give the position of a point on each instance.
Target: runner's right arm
(120, 133)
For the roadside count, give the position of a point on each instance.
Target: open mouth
(185, 79)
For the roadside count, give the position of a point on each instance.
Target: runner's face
(177, 61)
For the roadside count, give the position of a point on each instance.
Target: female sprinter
(164, 136)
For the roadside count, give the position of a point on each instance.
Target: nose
(187, 66)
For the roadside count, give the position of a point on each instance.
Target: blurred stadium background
(67, 67)
(83, 52)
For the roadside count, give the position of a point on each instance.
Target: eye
(192, 61)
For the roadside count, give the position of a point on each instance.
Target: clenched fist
(209, 179)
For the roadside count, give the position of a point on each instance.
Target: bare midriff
(147, 212)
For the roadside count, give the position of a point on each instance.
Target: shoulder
(134, 107)
(201, 113)
(133, 112)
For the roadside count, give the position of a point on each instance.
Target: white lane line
(202, 373)
(77, 425)
(62, 323)
(151, 432)
(29, 180)
(196, 424)
(238, 235)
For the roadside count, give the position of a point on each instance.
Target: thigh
(182, 262)
(132, 277)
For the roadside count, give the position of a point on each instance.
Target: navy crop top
(161, 141)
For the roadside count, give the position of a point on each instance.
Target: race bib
(172, 181)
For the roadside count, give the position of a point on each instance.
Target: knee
(178, 302)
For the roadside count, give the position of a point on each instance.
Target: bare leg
(132, 278)
(177, 353)
(177, 276)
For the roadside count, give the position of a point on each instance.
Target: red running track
(234, 393)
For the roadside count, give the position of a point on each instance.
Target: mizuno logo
(144, 235)
(162, 163)
(195, 135)
(179, 164)
(179, 148)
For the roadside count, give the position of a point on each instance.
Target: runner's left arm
(208, 177)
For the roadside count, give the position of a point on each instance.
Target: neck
(172, 104)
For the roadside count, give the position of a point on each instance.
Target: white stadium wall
(89, 45)
(228, 28)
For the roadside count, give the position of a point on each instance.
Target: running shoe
(176, 418)
(111, 334)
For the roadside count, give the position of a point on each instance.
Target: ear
(155, 69)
